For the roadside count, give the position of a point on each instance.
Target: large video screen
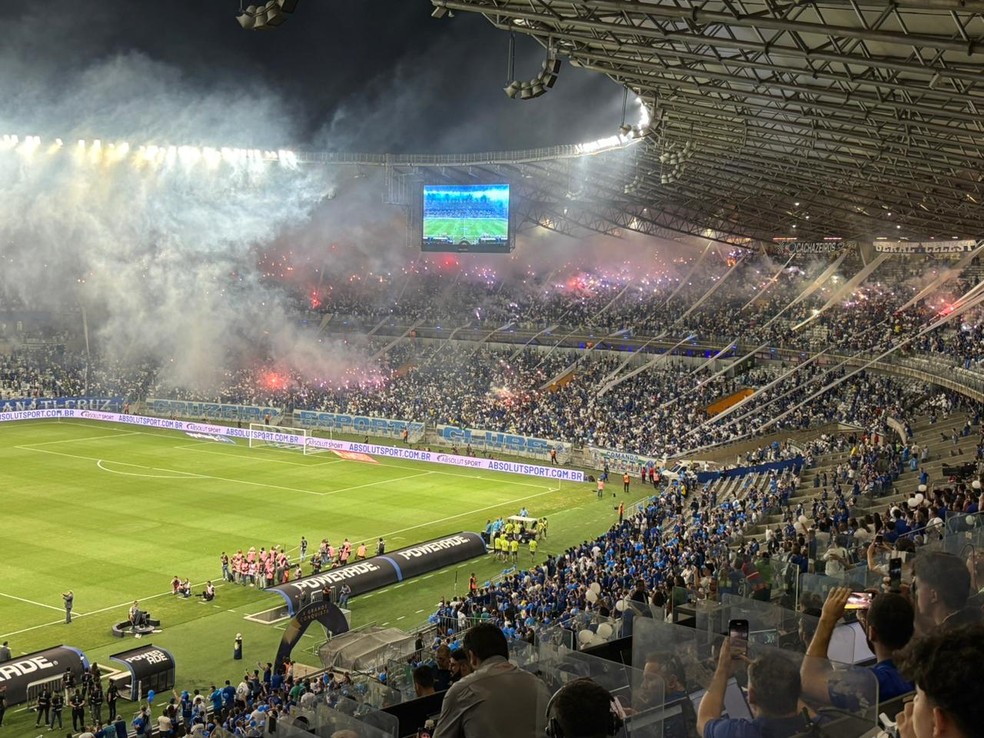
(466, 218)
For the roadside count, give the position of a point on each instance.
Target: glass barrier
(326, 722)
(762, 685)
(814, 587)
(642, 701)
(584, 629)
(348, 713)
(399, 676)
(841, 697)
(782, 587)
(522, 653)
(955, 573)
(768, 624)
(682, 604)
(668, 656)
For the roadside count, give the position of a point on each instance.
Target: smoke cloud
(197, 266)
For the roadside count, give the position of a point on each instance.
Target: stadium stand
(884, 463)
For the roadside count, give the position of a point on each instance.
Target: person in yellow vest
(360, 552)
(499, 540)
(533, 546)
(625, 482)
(514, 549)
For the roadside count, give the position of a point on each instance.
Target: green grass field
(465, 229)
(114, 514)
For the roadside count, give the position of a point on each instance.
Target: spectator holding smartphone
(888, 627)
(773, 697)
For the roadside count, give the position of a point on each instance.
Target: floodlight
(267, 16)
(537, 86)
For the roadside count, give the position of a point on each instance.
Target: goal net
(277, 436)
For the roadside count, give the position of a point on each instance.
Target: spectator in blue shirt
(773, 697)
(888, 627)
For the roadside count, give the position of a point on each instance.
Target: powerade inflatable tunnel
(25, 676)
(382, 571)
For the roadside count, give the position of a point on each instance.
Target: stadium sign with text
(24, 676)
(300, 441)
(213, 411)
(622, 459)
(829, 246)
(382, 571)
(356, 423)
(927, 247)
(495, 441)
(107, 404)
(151, 668)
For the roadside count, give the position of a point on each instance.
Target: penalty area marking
(172, 474)
(192, 475)
(201, 448)
(121, 434)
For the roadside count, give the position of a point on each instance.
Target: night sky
(196, 264)
(342, 75)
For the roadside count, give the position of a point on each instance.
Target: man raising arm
(888, 626)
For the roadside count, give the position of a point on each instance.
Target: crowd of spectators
(659, 411)
(578, 397)
(683, 543)
(758, 302)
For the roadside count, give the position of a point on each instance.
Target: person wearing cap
(186, 707)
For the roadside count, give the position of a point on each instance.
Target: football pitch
(469, 230)
(114, 513)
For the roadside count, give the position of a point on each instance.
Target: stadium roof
(811, 120)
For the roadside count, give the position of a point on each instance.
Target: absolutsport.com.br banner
(218, 432)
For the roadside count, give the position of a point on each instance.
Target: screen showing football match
(466, 218)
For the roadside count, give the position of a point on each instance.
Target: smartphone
(879, 539)
(738, 633)
(859, 600)
(618, 708)
(895, 573)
